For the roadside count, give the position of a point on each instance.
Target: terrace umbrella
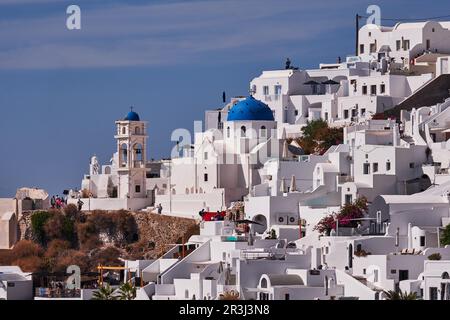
(285, 154)
(293, 186)
(283, 186)
(248, 222)
(313, 84)
(330, 83)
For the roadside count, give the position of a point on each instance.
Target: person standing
(159, 207)
(80, 204)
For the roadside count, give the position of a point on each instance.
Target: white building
(121, 184)
(15, 284)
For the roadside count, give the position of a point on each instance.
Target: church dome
(132, 116)
(250, 109)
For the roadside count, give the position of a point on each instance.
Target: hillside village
(321, 184)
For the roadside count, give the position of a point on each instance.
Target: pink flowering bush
(345, 216)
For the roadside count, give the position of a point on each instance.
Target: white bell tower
(131, 139)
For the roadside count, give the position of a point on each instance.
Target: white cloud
(161, 34)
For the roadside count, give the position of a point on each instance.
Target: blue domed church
(249, 122)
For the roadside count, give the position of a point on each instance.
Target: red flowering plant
(326, 224)
(346, 216)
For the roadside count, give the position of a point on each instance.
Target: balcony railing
(344, 179)
(138, 164)
(272, 97)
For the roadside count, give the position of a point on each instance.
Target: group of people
(58, 202)
(217, 217)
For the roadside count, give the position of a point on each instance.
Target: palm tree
(127, 291)
(106, 292)
(394, 295)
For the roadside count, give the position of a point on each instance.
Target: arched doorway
(137, 155)
(123, 155)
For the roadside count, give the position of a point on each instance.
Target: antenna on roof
(131, 108)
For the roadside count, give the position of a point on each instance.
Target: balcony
(138, 164)
(344, 179)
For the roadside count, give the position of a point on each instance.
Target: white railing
(272, 97)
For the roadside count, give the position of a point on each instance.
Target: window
(422, 241)
(287, 296)
(137, 188)
(354, 84)
(388, 166)
(373, 47)
(348, 199)
(263, 283)
(228, 132)
(364, 89)
(364, 271)
(411, 165)
(205, 156)
(266, 90)
(393, 271)
(277, 89)
(375, 167)
(137, 130)
(296, 112)
(345, 114)
(263, 296)
(366, 168)
(263, 131)
(363, 112)
(382, 88)
(361, 48)
(403, 275)
(428, 44)
(124, 130)
(367, 156)
(373, 89)
(243, 130)
(205, 177)
(433, 293)
(405, 44)
(370, 34)
(398, 45)
(326, 116)
(354, 112)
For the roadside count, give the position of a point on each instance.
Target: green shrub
(435, 256)
(445, 236)
(61, 227)
(38, 221)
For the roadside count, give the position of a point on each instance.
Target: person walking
(53, 202)
(159, 207)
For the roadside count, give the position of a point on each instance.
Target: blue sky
(61, 90)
